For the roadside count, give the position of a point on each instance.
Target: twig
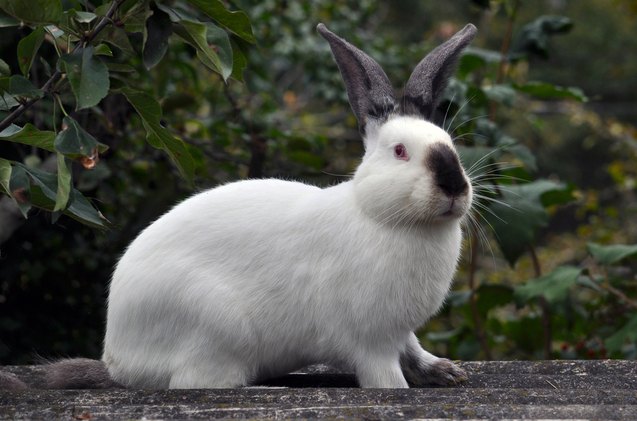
(258, 142)
(473, 302)
(547, 326)
(619, 294)
(258, 149)
(46, 88)
(551, 383)
(504, 51)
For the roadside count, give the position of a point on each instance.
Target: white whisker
(485, 208)
(458, 113)
(467, 121)
(444, 120)
(482, 236)
(484, 158)
(499, 202)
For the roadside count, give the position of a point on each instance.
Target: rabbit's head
(411, 172)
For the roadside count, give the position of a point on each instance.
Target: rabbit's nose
(448, 175)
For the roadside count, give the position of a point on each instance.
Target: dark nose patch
(444, 164)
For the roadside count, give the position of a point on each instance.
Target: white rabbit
(258, 278)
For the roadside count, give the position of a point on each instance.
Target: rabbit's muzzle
(448, 174)
(454, 195)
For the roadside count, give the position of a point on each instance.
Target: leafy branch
(47, 88)
(98, 49)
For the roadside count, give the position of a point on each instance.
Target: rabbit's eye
(400, 152)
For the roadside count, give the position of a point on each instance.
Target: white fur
(258, 278)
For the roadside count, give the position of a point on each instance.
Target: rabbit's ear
(370, 93)
(429, 79)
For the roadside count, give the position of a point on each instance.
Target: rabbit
(257, 278)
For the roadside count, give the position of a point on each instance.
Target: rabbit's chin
(452, 209)
(451, 215)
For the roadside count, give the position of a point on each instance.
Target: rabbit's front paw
(442, 372)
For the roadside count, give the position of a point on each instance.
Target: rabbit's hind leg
(210, 375)
(422, 368)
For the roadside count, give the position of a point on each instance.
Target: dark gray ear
(429, 79)
(370, 93)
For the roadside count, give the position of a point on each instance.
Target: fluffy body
(257, 278)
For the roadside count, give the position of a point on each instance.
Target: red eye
(400, 152)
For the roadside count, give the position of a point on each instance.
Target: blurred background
(542, 108)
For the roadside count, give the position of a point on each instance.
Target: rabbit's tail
(9, 381)
(69, 373)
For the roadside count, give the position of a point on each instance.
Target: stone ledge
(545, 389)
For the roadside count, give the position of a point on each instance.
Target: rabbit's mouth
(454, 208)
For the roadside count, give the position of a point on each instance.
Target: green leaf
(553, 286)
(558, 196)
(589, 282)
(195, 34)
(83, 17)
(45, 181)
(157, 135)
(43, 194)
(103, 50)
(81, 209)
(534, 37)
(120, 68)
(519, 213)
(488, 56)
(29, 135)
(236, 22)
(218, 38)
(546, 91)
(157, 31)
(19, 87)
(492, 295)
(5, 70)
(7, 21)
(88, 76)
(116, 37)
(5, 175)
(64, 184)
(474, 59)
(239, 60)
(34, 11)
(28, 48)
(7, 102)
(525, 155)
(503, 94)
(615, 342)
(608, 255)
(135, 15)
(76, 143)
(20, 188)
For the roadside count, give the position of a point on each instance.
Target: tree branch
(504, 51)
(473, 302)
(47, 87)
(547, 326)
(619, 294)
